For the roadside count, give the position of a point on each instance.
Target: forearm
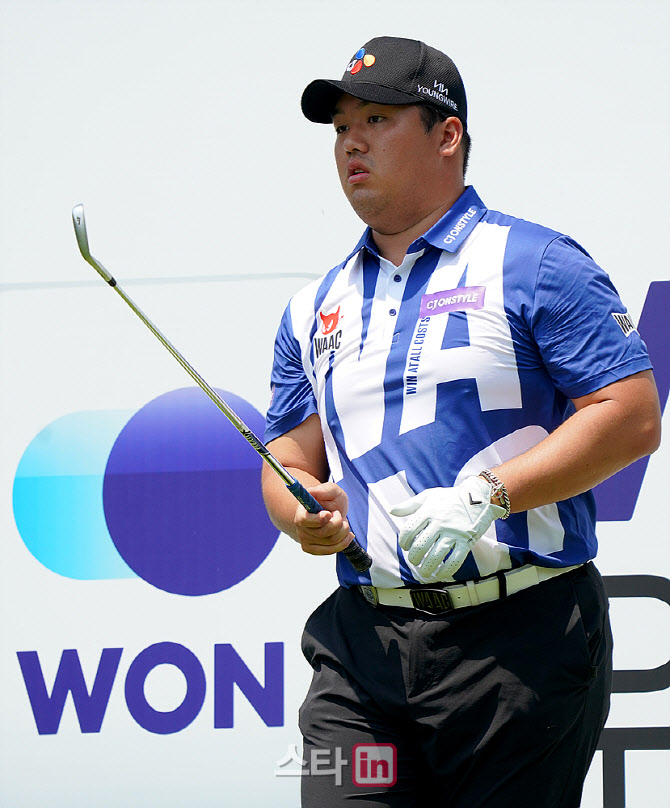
(593, 444)
(280, 503)
(303, 454)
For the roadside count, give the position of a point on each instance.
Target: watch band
(498, 490)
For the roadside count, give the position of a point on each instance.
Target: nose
(354, 140)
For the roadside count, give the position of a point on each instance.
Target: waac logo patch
(329, 321)
(332, 339)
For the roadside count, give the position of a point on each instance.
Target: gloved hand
(445, 524)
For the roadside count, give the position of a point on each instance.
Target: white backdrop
(212, 200)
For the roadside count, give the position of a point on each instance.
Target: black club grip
(354, 553)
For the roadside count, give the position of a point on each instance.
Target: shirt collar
(448, 233)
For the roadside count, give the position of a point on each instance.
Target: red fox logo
(330, 321)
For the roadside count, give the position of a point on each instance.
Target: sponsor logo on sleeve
(625, 323)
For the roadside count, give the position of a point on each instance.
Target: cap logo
(361, 59)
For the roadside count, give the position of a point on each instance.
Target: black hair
(431, 115)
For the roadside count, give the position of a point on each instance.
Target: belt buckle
(431, 601)
(369, 593)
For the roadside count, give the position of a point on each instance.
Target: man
(450, 393)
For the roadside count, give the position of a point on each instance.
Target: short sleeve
(583, 331)
(292, 394)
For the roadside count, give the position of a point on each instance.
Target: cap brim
(320, 97)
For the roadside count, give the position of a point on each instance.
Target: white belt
(444, 598)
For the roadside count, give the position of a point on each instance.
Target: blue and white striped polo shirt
(463, 357)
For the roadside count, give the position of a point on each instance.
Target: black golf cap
(391, 70)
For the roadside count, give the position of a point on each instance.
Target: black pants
(497, 705)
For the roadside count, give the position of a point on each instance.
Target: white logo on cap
(439, 92)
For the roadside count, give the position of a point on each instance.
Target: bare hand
(328, 531)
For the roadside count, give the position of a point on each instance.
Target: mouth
(356, 172)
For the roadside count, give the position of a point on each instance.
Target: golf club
(359, 559)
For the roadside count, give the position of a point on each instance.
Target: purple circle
(182, 495)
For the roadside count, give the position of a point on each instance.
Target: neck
(393, 245)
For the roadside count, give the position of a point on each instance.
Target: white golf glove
(445, 525)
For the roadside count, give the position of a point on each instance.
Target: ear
(451, 131)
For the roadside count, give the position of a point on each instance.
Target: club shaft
(354, 552)
(359, 559)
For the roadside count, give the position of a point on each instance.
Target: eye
(375, 118)
(340, 129)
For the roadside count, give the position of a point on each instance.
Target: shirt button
(392, 312)
(397, 278)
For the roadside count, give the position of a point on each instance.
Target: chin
(367, 206)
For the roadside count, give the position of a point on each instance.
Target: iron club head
(79, 222)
